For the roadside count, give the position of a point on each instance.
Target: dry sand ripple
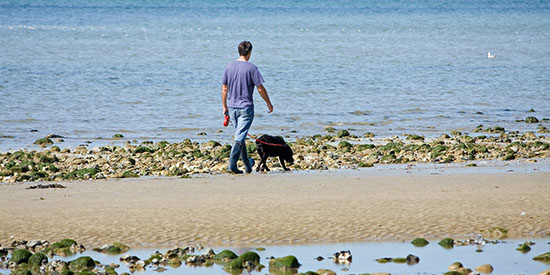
(263, 209)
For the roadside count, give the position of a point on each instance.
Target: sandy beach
(283, 208)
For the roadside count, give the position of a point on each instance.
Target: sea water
(152, 70)
(434, 259)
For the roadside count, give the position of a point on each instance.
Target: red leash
(263, 142)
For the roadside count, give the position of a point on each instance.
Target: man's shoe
(234, 157)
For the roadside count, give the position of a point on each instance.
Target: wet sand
(282, 208)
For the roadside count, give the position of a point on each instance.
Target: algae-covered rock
(344, 145)
(455, 266)
(143, 149)
(81, 173)
(129, 174)
(43, 141)
(531, 119)
(84, 263)
(284, 262)
(239, 262)
(524, 248)
(115, 248)
(384, 260)
(543, 257)
(224, 255)
(308, 273)
(19, 256)
(37, 259)
(118, 136)
(447, 243)
(420, 242)
(453, 273)
(415, 137)
(399, 260)
(343, 133)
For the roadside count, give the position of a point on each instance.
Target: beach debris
(342, 257)
(46, 186)
(485, 269)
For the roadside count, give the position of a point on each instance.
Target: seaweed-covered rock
(19, 256)
(115, 248)
(531, 119)
(415, 137)
(543, 257)
(399, 260)
(420, 242)
(129, 174)
(118, 136)
(524, 248)
(343, 133)
(240, 261)
(284, 262)
(84, 263)
(37, 259)
(43, 142)
(447, 243)
(81, 173)
(225, 255)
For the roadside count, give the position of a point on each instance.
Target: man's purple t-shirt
(241, 77)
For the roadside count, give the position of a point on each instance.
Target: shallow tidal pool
(434, 259)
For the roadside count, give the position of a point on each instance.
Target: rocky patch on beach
(41, 257)
(319, 152)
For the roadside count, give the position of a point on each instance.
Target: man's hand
(265, 96)
(225, 110)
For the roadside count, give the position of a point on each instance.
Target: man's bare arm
(224, 99)
(265, 96)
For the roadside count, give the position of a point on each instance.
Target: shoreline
(366, 205)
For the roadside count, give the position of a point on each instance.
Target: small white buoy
(489, 55)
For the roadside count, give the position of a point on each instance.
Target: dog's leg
(283, 163)
(261, 165)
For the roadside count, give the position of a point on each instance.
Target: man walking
(239, 79)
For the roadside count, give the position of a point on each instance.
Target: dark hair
(245, 48)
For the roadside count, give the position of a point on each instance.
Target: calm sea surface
(152, 70)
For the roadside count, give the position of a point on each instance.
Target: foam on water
(87, 69)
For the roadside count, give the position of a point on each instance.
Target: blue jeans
(241, 119)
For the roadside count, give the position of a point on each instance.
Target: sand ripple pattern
(278, 209)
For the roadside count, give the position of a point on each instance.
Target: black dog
(270, 146)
